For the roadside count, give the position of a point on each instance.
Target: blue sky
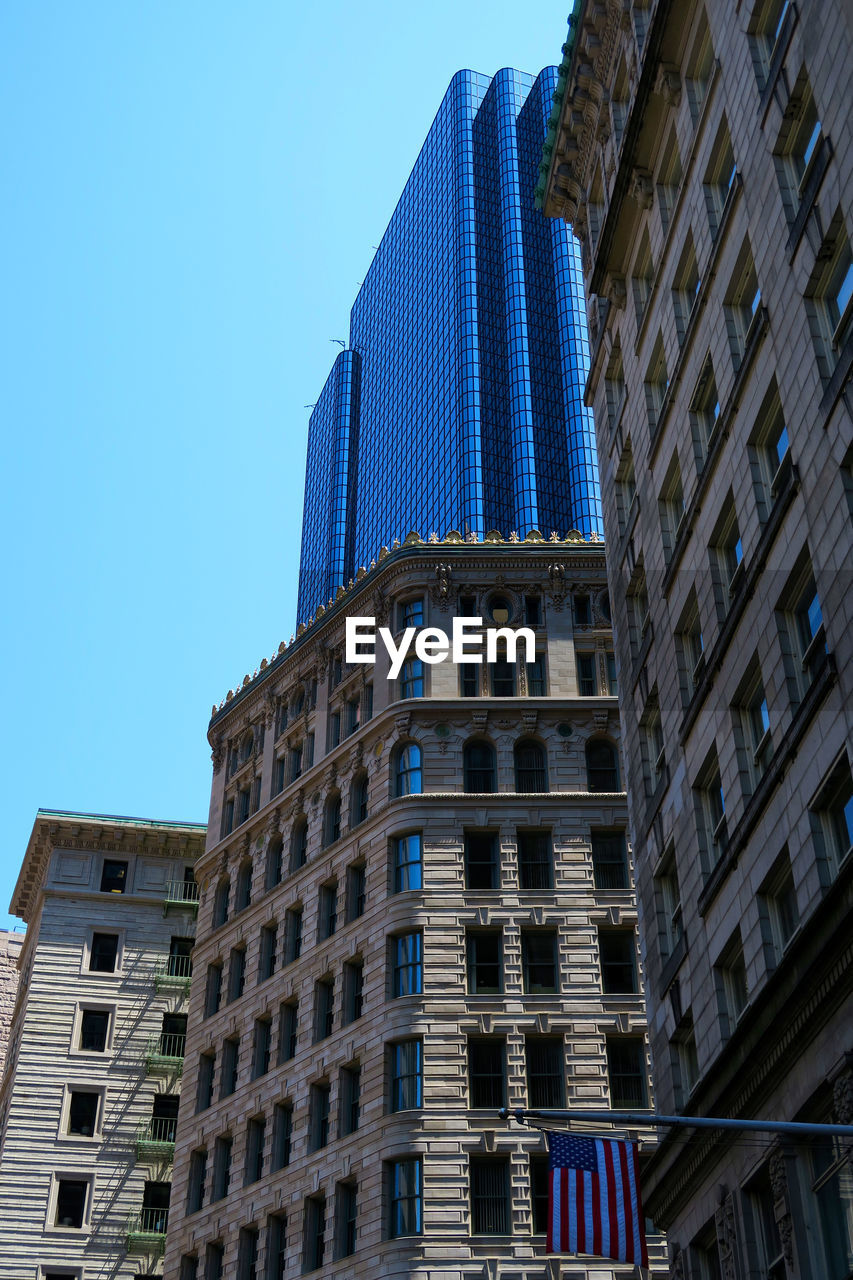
(192, 192)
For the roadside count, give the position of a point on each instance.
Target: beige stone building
(10, 952)
(416, 907)
(702, 152)
(89, 1095)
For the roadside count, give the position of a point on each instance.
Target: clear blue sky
(192, 192)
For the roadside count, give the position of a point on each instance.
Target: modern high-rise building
(416, 908)
(459, 403)
(702, 152)
(89, 1094)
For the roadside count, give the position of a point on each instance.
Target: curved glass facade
(460, 402)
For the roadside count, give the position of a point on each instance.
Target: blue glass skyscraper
(459, 403)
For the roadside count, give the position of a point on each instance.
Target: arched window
(407, 770)
(602, 768)
(479, 766)
(243, 896)
(358, 799)
(299, 844)
(246, 744)
(220, 902)
(332, 819)
(274, 869)
(412, 679)
(531, 771)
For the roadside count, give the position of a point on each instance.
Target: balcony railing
(146, 1231)
(173, 974)
(165, 1054)
(155, 1140)
(181, 895)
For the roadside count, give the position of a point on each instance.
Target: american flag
(594, 1203)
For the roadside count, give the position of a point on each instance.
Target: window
(831, 818)
(609, 859)
(656, 385)
(668, 904)
(486, 1071)
(332, 819)
(533, 611)
(274, 862)
(94, 1030)
(799, 150)
(626, 488)
(196, 1181)
(324, 1007)
(173, 1035)
(236, 973)
(411, 613)
(406, 1072)
(699, 69)
(801, 631)
(220, 902)
(626, 1072)
(726, 558)
(267, 952)
(539, 961)
(261, 1047)
(214, 1257)
(350, 1101)
(484, 961)
(206, 1069)
(412, 679)
(537, 684)
(482, 864)
(685, 1061)
(407, 772)
(277, 1253)
(832, 1192)
(546, 1071)
(585, 663)
(243, 895)
(710, 806)
(327, 921)
(103, 953)
(751, 721)
(767, 34)
(358, 800)
(295, 760)
(408, 866)
(319, 1096)
(71, 1202)
(230, 1066)
(535, 860)
(247, 1253)
(279, 775)
(614, 386)
(299, 844)
(582, 609)
(686, 287)
(478, 760)
(704, 414)
(539, 1179)
(407, 965)
(730, 982)
(292, 934)
(769, 454)
(690, 649)
(618, 955)
(642, 277)
(164, 1117)
(668, 180)
(189, 1268)
(334, 729)
(469, 680)
(355, 891)
(602, 771)
(353, 972)
(113, 876)
(720, 181)
(829, 301)
(282, 1135)
(489, 1185)
(352, 709)
(313, 1250)
(742, 306)
(671, 509)
(221, 1167)
(255, 1131)
(502, 676)
(227, 816)
(651, 745)
(639, 619)
(406, 1197)
(83, 1113)
(346, 1218)
(778, 913)
(287, 1030)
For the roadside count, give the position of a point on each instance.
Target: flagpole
(646, 1119)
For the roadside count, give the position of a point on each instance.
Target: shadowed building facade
(459, 403)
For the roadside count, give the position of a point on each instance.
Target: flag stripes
(594, 1202)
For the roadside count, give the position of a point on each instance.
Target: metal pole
(633, 1119)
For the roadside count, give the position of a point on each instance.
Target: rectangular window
(408, 866)
(489, 1181)
(221, 1168)
(668, 905)
(618, 954)
(255, 1133)
(287, 1030)
(742, 306)
(405, 1060)
(83, 1113)
(586, 675)
(206, 1069)
(236, 973)
(535, 860)
(355, 891)
(319, 1115)
(276, 1265)
(609, 859)
(537, 685)
(324, 1008)
(486, 1071)
(778, 911)
(405, 1181)
(94, 1030)
(353, 972)
(484, 961)
(350, 1101)
(532, 611)
(411, 614)
(626, 1072)
(546, 1071)
(71, 1199)
(346, 1218)
(328, 910)
(196, 1181)
(730, 981)
(539, 1177)
(690, 649)
(539, 959)
(113, 876)
(247, 1253)
(313, 1248)
(261, 1047)
(482, 866)
(267, 953)
(282, 1135)
(293, 934)
(214, 1261)
(407, 965)
(831, 818)
(230, 1066)
(213, 989)
(469, 684)
(103, 953)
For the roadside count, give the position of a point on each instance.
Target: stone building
(702, 153)
(10, 951)
(88, 1100)
(416, 907)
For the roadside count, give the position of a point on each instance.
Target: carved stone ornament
(380, 608)
(668, 84)
(642, 188)
(842, 1097)
(440, 590)
(676, 1265)
(269, 710)
(615, 291)
(217, 754)
(782, 1205)
(557, 581)
(724, 1220)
